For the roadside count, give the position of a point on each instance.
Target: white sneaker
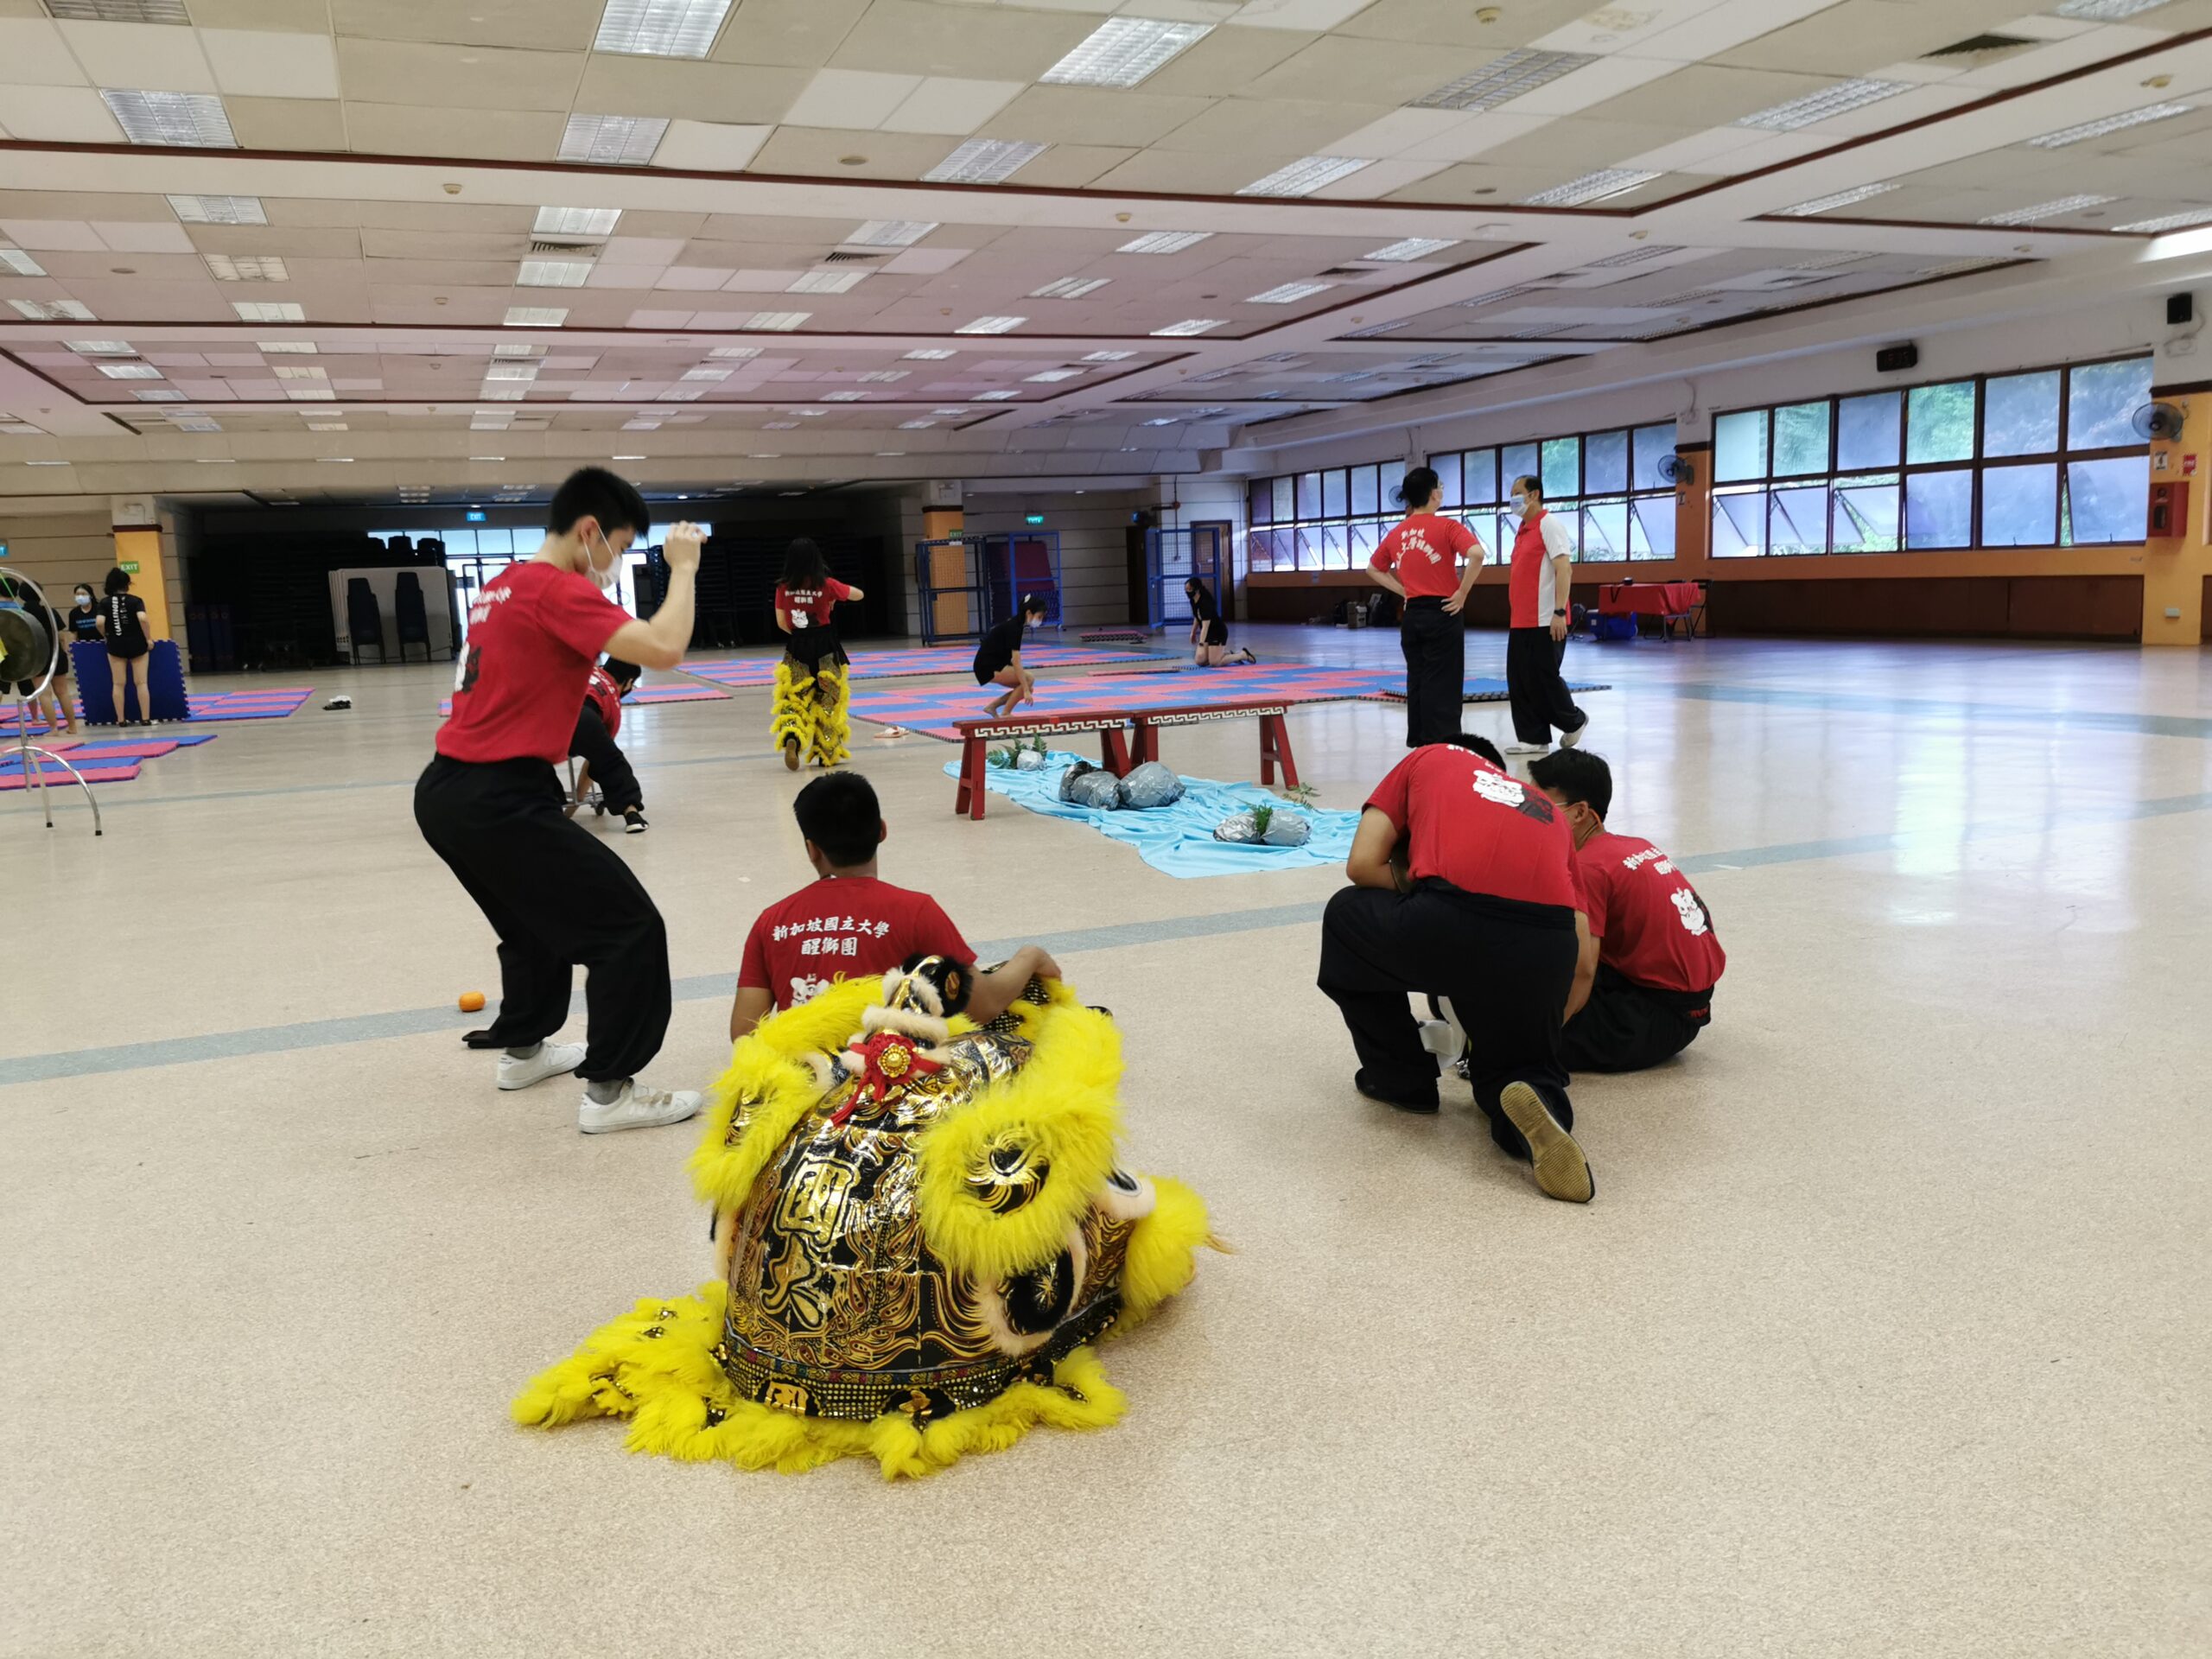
(550, 1061)
(1568, 740)
(1444, 1036)
(636, 1108)
(1528, 748)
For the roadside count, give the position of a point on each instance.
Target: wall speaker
(2180, 309)
(1895, 359)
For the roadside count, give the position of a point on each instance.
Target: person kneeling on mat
(998, 659)
(851, 924)
(1463, 889)
(594, 743)
(489, 805)
(1651, 937)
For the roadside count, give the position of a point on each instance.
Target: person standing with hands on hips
(1430, 562)
(1535, 638)
(490, 805)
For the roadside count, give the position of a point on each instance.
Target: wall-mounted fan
(2158, 423)
(1677, 469)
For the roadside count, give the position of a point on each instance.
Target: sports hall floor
(1886, 1334)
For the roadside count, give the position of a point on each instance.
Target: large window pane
(1480, 481)
(1739, 446)
(1739, 524)
(1515, 460)
(1447, 478)
(1332, 493)
(2019, 506)
(1651, 528)
(1286, 505)
(1800, 520)
(1653, 445)
(1498, 532)
(1605, 530)
(1605, 463)
(1562, 468)
(1866, 431)
(1309, 496)
(1363, 540)
(1366, 497)
(2019, 415)
(1939, 426)
(1335, 548)
(1865, 515)
(2108, 500)
(1939, 509)
(1309, 548)
(1800, 439)
(2101, 402)
(1260, 501)
(1260, 548)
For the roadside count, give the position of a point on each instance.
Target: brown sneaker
(790, 754)
(1561, 1171)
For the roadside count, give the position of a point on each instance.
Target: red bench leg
(968, 798)
(1114, 750)
(1275, 744)
(1147, 739)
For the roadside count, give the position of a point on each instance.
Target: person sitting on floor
(1210, 630)
(1463, 889)
(851, 924)
(1650, 936)
(594, 743)
(998, 658)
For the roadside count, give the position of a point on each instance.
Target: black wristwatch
(1559, 613)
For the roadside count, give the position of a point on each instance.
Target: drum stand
(33, 772)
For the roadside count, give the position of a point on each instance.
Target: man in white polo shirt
(1535, 639)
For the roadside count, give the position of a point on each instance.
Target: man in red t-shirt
(593, 743)
(1429, 561)
(1462, 890)
(490, 804)
(1535, 634)
(1656, 957)
(852, 925)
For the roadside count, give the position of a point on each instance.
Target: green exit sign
(1034, 519)
(131, 566)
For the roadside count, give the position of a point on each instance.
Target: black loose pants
(1626, 1026)
(610, 767)
(556, 895)
(1507, 967)
(1537, 689)
(1435, 645)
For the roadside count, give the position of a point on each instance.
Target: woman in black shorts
(1209, 629)
(123, 628)
(55, 703)
(998, 658)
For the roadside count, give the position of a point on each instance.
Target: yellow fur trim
(656, 1366)
(1061, 1107)
(833, 728)
(791, 713)
(1162, 1249)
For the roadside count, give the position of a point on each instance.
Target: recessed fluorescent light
(810, 414)
(335, 460)
(931, 354)
(215, 461)
(629, 457)
(994, 396)
(310, 394)
(704, 373)
(219, 210)
(21, 262)
(641, 426)
(1305, 175)
(2180, 221)
(2105, 11)
(660, 29)
(1164, 242)
(1053, 374)
(280, 347)
(1592, 186)
(613, 140)
(983, 160)
(889, 233)
(576, 221)
(1069, 287)
(1190, 325)
(130, 371)
(735, 354)
(1857, 194)
(1108, 357)
(303, 371)
(269, 310)
(1830, 101)
(1413, 247)
(102, 347)
(246, 268)
(1123, 51)
(553, 273)
(948, 411)
(488, 457)
(193, 421)
(2066, 135)
(326, 426)
(1510, 77)
(991, 326)
(775, 426)
(842, 396)
(1164, 420)
(775, 323)
(1288, 293)
(46, 463)
(915, 426)
(54, 310)
(535, 316)
(506, 369)
(119, 12)
(2055, 208)
(162, 396)
(189, 120)
(825, 281)
(884, 376)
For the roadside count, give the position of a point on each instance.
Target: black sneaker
(633, 822)
(1402, 1103)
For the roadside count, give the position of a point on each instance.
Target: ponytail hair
(1420, 485)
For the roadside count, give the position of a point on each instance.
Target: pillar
(2175, 570)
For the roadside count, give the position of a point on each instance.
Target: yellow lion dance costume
(809, 710)
(920, 1237)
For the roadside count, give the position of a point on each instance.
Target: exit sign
(4, 549)
(131, 566)
(476, 517)
(1034, 519)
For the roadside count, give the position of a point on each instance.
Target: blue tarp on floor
(1179, 839)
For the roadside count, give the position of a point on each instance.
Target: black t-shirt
(1201, 605)
(86, 623)
(126, 636)
(998, 647)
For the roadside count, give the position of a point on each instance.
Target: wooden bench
(1118, 752)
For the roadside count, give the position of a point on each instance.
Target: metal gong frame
(23, 632)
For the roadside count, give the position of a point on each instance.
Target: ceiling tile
(493, 135)
(850, 98)
(1071, 167)
(604, 275)
(35, 55)
(1700, 95)
(157, 57)
(268, 63)
(287, 123)
(819, 152)
(915, 37)
(656, 251)
(59, 234)
(1275, 127)
(732, 93)
(1859, 35)
(62, 114)
(944, 104)
(800, 32)
(709, 146)
(142, 236)
(1205, 173)
(550, 25)
(1423, 23)
(1226, 60)
(1093, 115)
(263, 13)
(481, 79)
(1338, 70)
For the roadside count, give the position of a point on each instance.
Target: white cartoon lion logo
(1692, 910)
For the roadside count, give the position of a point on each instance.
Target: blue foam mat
(1179, 838)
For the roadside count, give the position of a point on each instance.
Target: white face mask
(1520, 503)
(84, 600)
(604, 578)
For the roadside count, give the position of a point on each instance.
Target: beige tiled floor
(1886, 1335)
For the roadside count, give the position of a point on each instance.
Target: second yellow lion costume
(809, 710)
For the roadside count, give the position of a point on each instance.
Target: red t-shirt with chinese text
(809, 607)
(843, 927)
(1478, 828)
(1650, 924)
(600, 689)
(534, 633)
(1426, 551)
